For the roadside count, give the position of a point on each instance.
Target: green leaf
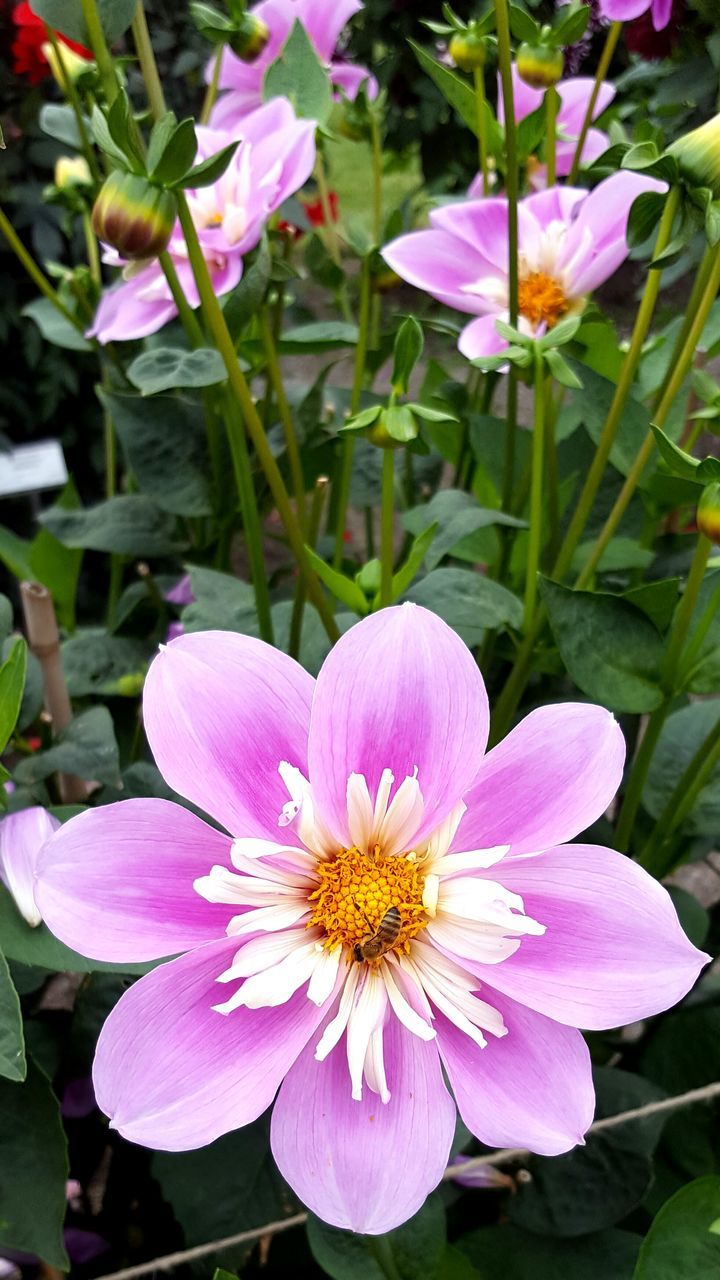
(222, 602)
(12, 684)
(522, 25)
(130, 525)
(6, 617)
(211, 170)
(513, 1254)
(645, 213)
(104, 139)
(56, 566)
(164, 368)
(620, 553)
(165, 445)
(54, 327)
(322, 335)
(455, 1266)
(12, 1044)
(244, 302)
(344, 589)
(469, 602)
(59, 122)
(704, 674)
(399, 423)
(38, 948)
(98, 664)
(682, 734)
(589, 407)
(177, 154)
(596, 1185)
(15, 554)
(67, 16)
(458, 516)
(568, 30)
(677, 460)
(35, 1169)
(86, 747)
(682, 1240)
(459, 94)
(694, 919)
(657, 599)
(299, 75)
(405, 574)
(610, 648)
(409, 343)
(417, 1247)
(561, 371)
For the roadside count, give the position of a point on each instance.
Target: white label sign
(31, 467)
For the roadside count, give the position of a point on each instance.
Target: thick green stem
(278, 386)
(511, 191)
(98, 44)
(376, 144)
(110, 455)
(345, 471)
(683, 617)
(252, 525)
(241, 391)
(606, 56)
(148, 66)
(698, 772)
(387, 527)
(536, 493)
(551, 101)
(212, 89)
(679, 373)
(620, 396)
(481, 109)
(316, 511)
(91, 248)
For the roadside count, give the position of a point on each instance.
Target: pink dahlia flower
(571, 241)
(323, 21)
(274, 159)
(22, 836)
(575, 95)
(361, 807)
(625, 10)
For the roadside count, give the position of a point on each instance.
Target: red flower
(316, 213)
(28, 57)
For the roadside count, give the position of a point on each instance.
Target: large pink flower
(574, 95)
(323, 21)
(570, 242)
(275, 158)
(625, 10)
(340, 799)
(22, 836)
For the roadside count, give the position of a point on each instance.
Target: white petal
(268, 919)
(324, 976)
(402, 819)
(471, 943)
(443, 836)
(366, 1016)
(431, 893)
(403, 1010)
(247, 847)
(222, 885)
(374, 1066)
(335, 1028)
(360, 812)
(474, 860)
(273, 986)
(263, 952)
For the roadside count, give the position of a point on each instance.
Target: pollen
(541, 299)
(358, 889)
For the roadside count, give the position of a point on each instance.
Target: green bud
(134, 216)
(467, 50)
(539, 66)
(250, 37)
(394, 427)
(698, 156)
(708, 512)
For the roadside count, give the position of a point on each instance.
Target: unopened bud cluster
(134, 216)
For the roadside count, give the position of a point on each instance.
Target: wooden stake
(44, 641)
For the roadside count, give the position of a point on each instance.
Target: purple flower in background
(575, 95)
(323, 21)
(22, 836)
(625, 10)
(275, 158)
(385, 902)
(571, 241)
(181, 594)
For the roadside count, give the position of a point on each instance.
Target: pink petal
(613, 952)
(174, 1074)
(624, 10)
(366, 1166)
(481, 338)
(437, 262)
(661, 13)
(221, 712)
(22, 837)
(575, 95)
(351, 78)
(597, 240)
(325, 22)
(116, 883)
(595, 144)
(533, 1088)
(122, 315)
(399, 691)
(525, 98)
(482, 226)
(553, 776)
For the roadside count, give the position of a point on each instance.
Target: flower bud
(68, 64)
(134, 216)
(467, 50)
(698, 156)
(539, 66)
(72, 171)
(708, 512)
(250, 37)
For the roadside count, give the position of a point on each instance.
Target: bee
(385, 937)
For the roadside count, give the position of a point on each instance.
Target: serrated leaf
(298, 74)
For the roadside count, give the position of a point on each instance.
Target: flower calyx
(245, 33)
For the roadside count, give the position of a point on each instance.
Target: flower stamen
(541, 299)
(357, 890)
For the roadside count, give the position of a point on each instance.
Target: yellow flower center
(541, 299)
(356, 892)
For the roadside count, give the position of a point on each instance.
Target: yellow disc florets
(356, 892)
(542, 299)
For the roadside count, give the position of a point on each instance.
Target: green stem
(679, 373)
(212, 89)
(148, 65)
(551, 101)
(331, 237)
(110, 455)
(114, 587)
(609, 431)
(376, 143)
(612, 38)
(686, 608)
(188, 319)
(316, 511)
(696, 293)
(536, 493)
(73, 98)
(481, 109)
(551, 473)
(241, 391)
(345, 471)
(511, 191)
(291, 444)
(387, 529)
(638, 776)
(691, 654)
(381, 1250)
(252, 526)
(680, 803)
(91, 248)
(33, 270)
(98, 44)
